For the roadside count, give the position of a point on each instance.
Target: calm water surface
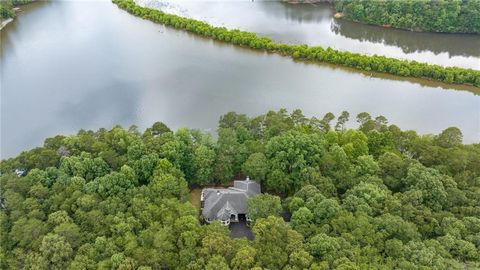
(315, 25)
(72, 65)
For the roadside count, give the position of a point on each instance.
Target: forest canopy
(374, 197)
(455, 16)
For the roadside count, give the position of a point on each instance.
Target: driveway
(240, 229)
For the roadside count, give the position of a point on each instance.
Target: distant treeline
(355, 60)
(6, 7)
(419, 15)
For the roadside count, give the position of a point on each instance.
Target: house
(228, 204)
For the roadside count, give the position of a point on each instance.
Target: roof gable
(221, 203)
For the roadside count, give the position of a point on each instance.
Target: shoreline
(5, 22)
(361, 62)
(343, 16)
(17, 10)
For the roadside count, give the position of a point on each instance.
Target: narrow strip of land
(373, 63)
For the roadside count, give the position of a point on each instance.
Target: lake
(314, 24)
(76, 65)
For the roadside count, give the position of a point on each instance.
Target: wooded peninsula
(374, 63)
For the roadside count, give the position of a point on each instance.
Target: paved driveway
(240, 229)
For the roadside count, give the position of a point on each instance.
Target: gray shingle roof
(221, 203)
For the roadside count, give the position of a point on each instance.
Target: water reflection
(67, 66)
(411, 42)
(314, 24)
(298, 13)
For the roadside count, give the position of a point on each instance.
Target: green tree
(325, 210)
(262, 206)
(302, 216)
(256, 166)
(300, 259)
(27, 232)
(204, 158)
(324, 247)
(273, 242)
(289, 155)
(450, 137)
(56, 251)
(428, 182)
(302, 221)
(217, 263)
(341, 121)
(244, 258)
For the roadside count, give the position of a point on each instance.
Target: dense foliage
(6, 7)
(374, 197)
(455, 16)
(354, 60)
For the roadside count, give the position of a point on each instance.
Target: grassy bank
(194, 197)
(451, 75)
